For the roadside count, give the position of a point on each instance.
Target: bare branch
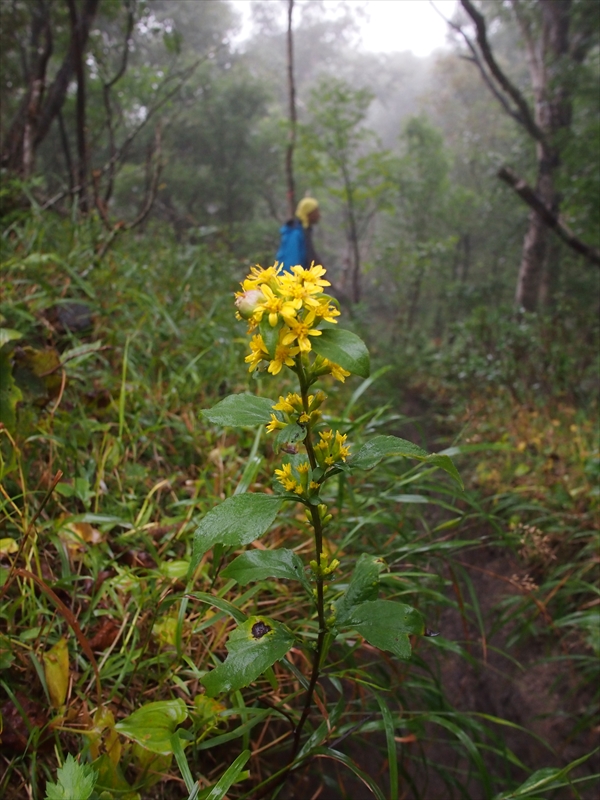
(184, 74)
(289, 156)
(154, 155)
(551, 219)
(526, 117)
(474, 59)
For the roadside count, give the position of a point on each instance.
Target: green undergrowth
(107, 470)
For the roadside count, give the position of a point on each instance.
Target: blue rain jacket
(292, 247)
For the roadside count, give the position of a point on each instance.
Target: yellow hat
(304, 208)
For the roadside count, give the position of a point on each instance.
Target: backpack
(292, 246)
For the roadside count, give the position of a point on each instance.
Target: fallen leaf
(105, 635)
(56, 671)
(16, 730)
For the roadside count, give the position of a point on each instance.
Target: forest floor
(531, 684)
(504, 571)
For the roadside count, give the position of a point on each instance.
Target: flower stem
(318, 532)
(277, 779)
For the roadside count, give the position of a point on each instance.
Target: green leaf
(237, 521)
(228, 778)
(252, 648)
(446, 463)
(56, 672)
(255, 565)
(75, 781)
(380, 447)
(328, 752)
(388, 726)
(10, 394)
(112, 780)
(270, 335)
(184, 767)
(151, 725)
(363, 586)
(386, 624)
(344, 348)
(545, 779)
(220, 603)
(8, 335)
(240, 410)
(291, 434)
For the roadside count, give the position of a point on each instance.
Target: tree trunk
(535, 246)
(39, 108)
(82, 167)
(353, 236)
(18, 150)
(552, 113)
(552, 57)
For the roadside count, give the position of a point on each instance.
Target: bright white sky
(387, 25)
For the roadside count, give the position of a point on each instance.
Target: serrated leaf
(256, 565)
(385, 624)
(344, 348)
(240, 410)
(380, 447)
(151, 725)
(237, 521)
(363, 585)
(56, 672)
(75, 781)
(252, 648)
(291, 434)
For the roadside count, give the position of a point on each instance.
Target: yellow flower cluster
(331, 448)
(293, 410)
(297, 479)
(323, 568)
(294, 305)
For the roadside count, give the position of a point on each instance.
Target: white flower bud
(247, 303)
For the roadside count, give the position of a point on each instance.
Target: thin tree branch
(289, 156)
(475, 59)
(551, 219)
(121, 152)
(58, 90)
(77, 37)
(526, 117)
(153, 181)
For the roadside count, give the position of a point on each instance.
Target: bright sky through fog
(386, 25)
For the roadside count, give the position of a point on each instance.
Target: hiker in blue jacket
(296, 245)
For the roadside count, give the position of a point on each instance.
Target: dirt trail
(526, 684)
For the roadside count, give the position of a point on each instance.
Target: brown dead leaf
(78, 535)
(138, 558)
(17, 727)
(105, 635)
